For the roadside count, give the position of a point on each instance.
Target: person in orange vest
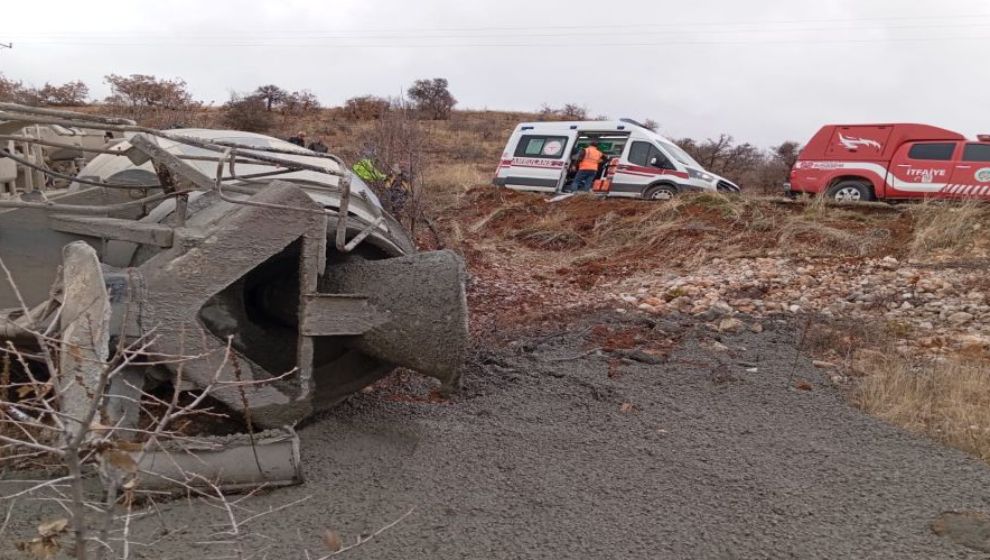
(589, 160)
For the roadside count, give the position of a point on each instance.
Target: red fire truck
(892, 161)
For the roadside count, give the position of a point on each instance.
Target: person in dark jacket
(299, 139)
(318, 146)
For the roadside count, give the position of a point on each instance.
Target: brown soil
(528, 256)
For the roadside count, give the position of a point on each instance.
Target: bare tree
(787, 153)
(745, 163)
(574, 112)
(141, 90)
(547, 113)
(778, 167)
(433, 98)
(569, 112)
(68, 94)
(651, 124)
(271, 94)
(300, 103)
(15, 91)
(713, 151)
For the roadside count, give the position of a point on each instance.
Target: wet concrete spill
(558, 448)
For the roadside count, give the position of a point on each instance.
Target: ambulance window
(551, 147)
(977, 152)
(642, 153)
(932, 151)
(639, 153)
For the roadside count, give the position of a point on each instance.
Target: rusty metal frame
(35, 115)
(229, 153)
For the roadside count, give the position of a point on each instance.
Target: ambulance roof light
(983, 137)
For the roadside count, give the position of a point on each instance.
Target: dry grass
(445, 184)
(801, 234)
(947, 226)
(679, 233)
(947, 401)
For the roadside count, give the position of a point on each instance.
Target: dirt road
(714, 455)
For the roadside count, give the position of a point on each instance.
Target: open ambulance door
(613, 144)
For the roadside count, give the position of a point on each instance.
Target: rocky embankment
(932, 307)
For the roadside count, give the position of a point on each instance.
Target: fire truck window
(977, 152)
(550, 147)
(639, 153)
(932, 151)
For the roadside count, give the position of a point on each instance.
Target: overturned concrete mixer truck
(269, 261)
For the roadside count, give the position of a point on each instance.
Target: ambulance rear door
(538, 161)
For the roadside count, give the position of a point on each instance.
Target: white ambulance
(639, 163)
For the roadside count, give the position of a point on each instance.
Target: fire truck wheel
(660, 192)
(851, 191)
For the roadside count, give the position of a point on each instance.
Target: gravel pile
(936, 308)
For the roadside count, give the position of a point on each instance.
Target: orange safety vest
(592, 158)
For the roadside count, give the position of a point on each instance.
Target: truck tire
(851, 191)
(660, 192)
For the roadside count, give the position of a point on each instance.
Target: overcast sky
(762, 70)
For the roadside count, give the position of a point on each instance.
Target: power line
(523, 44)
(840, 30)
(186, 39)
(639, 36)
(762, 24)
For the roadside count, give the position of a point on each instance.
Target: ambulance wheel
(660, 192)
(851, 191)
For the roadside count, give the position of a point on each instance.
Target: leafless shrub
(300, 103)
(574, 112)
(395, 146)
(101, 525)
(247, 113)
(746, 164)
(569, 112)
(366, 108)
(79, 441)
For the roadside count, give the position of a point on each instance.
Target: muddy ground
(559, 447)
